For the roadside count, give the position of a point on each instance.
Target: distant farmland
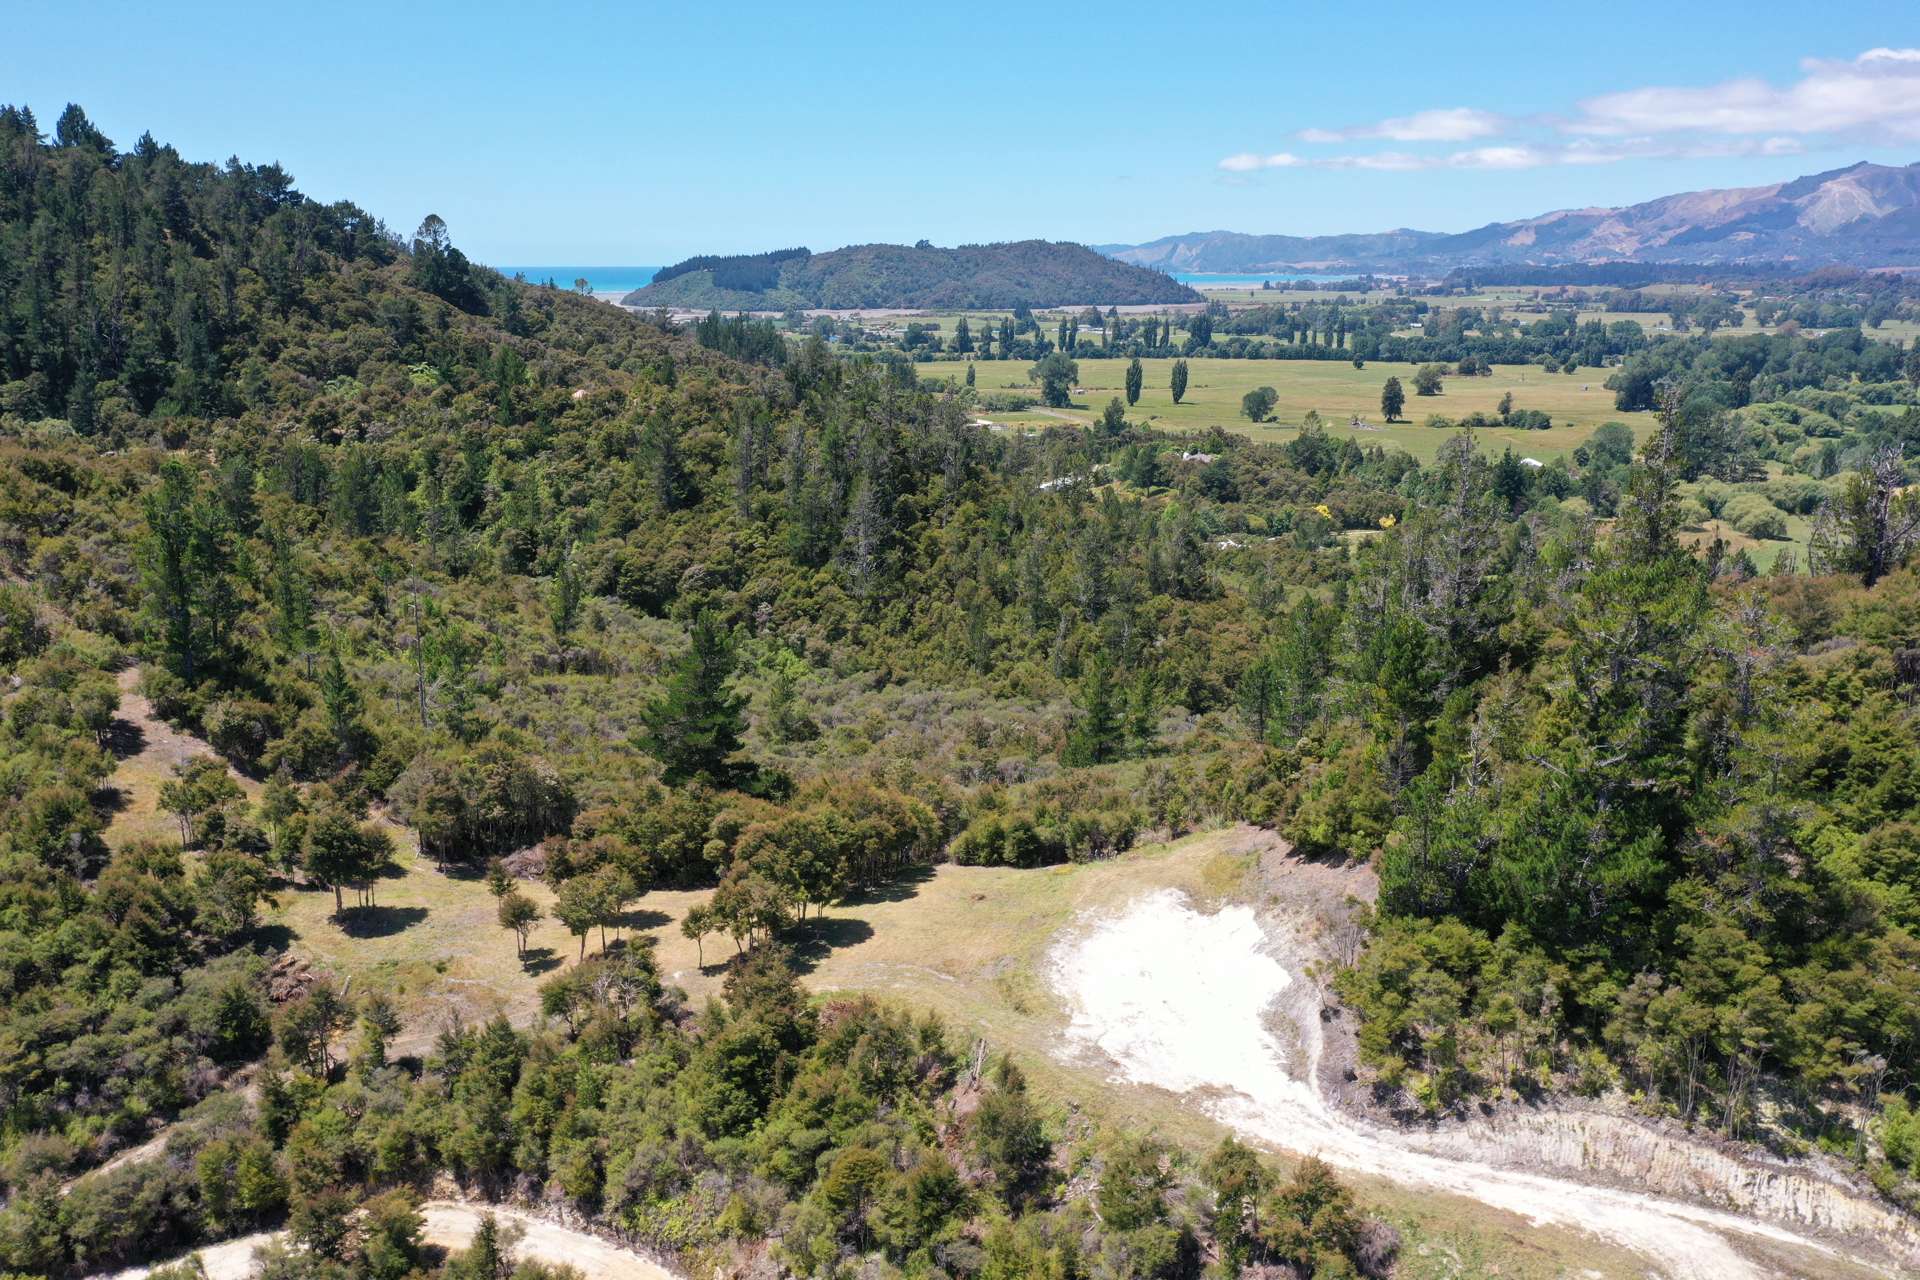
(1577, 402)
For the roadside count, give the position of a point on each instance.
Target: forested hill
(584, 610)
(1032, 273)
(514, 569)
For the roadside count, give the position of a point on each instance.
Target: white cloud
(1581, 151)
(1248, 161)
(1494, 157)
(1384, 161)
(1499, 158)
(1872, 98)
(1441, 124)
(1875, 96)
(1450, 124)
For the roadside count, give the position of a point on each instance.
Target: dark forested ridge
(1029, 273)
(503, 567)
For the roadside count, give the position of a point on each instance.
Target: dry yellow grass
(136, 782)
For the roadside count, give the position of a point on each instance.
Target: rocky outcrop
(1640, 1156)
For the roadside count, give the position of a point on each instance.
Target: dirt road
(451, 1224)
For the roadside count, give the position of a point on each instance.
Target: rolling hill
(1865, 215)
(1033, 273)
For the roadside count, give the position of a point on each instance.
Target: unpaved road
(1179, 999)
(451, 1224)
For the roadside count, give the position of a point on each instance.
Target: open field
(433, 944)
(1578, 403)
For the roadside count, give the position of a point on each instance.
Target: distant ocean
(622, 280)
(602, 279)
(1225, 280)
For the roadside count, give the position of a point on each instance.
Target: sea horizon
(614, 279)
(604, 280)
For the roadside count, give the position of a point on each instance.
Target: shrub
(1754, 516)
(241, 728)
(1900, 1136)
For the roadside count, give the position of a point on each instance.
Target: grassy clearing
(433, 944)
(967, 943)
(1339, 392)
(149, 748)
(1763, 552)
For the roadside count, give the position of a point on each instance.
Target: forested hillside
(558, 593)
(1029, 273)
(407, 541)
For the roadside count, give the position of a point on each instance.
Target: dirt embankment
(1221, 1007)
(1312, 931)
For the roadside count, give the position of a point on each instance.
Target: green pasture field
(1578, 402)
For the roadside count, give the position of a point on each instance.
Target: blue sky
(643, 133)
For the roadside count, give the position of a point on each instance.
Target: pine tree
(1143, 712)
(1393, 398)
(1259, 689)
(564, 595)
(1873, 526)
(694, 727)
(1096, 732)
(187, 559)
(342, 701)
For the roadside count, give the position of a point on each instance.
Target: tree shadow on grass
(641, 919)
(379, 922)
(108, 800)
(538, 960)
(814, 941)
(898, 888)
(456, 868)
(123, 738)
(272, 938)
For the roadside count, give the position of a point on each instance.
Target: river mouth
(1161, 993)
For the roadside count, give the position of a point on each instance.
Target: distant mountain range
(1866, 215)
(1033, 273)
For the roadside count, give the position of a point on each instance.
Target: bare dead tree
(1873, 527)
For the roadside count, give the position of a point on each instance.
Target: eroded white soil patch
(1180, 999)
